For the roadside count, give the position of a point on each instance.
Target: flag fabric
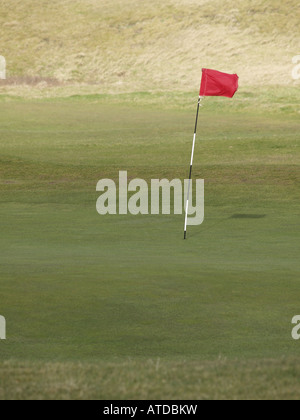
(215, 83)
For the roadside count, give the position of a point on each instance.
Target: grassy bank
(130, 45)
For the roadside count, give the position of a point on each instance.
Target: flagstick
(191, 168)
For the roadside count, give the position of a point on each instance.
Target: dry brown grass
(152, 379)
(134, 45)
(30, 81)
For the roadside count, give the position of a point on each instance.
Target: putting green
(79, 287)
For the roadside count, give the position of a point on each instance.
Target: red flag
(215, 83)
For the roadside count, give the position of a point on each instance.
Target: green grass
(111, 294)
(120, 306)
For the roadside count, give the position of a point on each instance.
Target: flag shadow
(247, 216)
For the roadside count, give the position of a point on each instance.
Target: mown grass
(91, 300)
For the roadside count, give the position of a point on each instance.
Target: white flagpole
(191, 168)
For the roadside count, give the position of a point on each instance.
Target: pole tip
(184, 234)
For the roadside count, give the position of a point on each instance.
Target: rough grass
(129, 45)
(280, 100)
(152, 379)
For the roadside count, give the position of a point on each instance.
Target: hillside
(133, 45)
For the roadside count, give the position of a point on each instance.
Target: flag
(215, 83)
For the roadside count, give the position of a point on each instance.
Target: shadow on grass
(247, 216)
(234, 216)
